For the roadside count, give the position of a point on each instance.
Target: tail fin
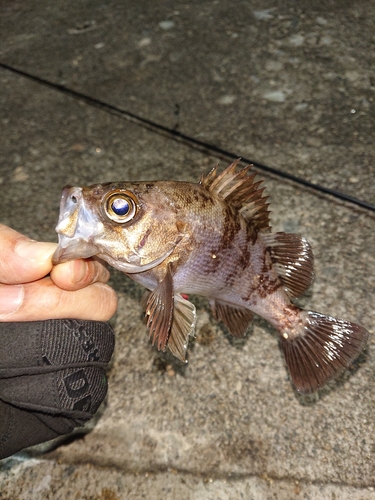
(322, 349)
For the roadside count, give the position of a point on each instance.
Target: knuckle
(99, 272)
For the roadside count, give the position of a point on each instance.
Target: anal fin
(236, 319)
(293, 259)
(321, 349)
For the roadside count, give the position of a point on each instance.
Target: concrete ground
(289, 84)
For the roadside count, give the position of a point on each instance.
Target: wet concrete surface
(289, 85)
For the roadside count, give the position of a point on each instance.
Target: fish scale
(214, 239)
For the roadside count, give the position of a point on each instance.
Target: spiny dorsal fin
(242, 192)
(293, 259)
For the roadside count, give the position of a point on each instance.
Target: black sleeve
(52, 378)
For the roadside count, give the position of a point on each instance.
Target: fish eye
(120, 206)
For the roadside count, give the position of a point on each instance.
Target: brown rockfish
(213, 239)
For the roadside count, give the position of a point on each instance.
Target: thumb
(23, 260)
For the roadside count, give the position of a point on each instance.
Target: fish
(212, 238)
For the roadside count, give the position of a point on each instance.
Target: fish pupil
(120, 206)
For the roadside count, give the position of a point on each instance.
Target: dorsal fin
(242, 192)
(293, 259)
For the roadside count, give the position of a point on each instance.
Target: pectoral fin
(170, 318)
(159, 311)
(183, 325)
(236, 319)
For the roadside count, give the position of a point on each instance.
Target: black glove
(52, 378)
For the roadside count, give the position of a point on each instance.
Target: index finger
(23, 260)
(79, 273)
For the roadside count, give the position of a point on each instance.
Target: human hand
(75, 289)
(52, 371)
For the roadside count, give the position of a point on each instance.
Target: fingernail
(11, 297)
(35, 250)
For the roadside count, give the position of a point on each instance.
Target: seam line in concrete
(186, 139)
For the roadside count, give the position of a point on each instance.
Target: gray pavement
(287, 84)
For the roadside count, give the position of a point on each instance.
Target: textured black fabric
(52, 378)
(20, 428)
(36, 345)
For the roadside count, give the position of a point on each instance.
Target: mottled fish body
(213, 239)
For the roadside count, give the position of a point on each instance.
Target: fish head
(129, 225)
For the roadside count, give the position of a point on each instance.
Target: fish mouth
(70, 249)
(74, 228)
(78, 248)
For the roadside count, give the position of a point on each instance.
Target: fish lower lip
(75, 250)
